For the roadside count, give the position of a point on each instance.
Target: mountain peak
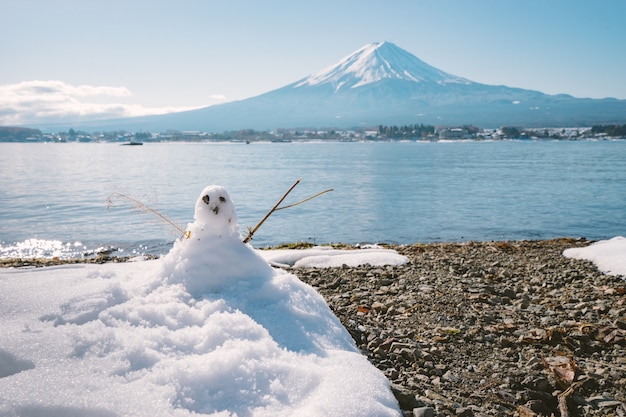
(376, 62)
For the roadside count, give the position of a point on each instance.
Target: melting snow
(324, 257)
(609, 256)
(210, 329)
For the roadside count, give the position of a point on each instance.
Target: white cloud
(59, 88)
(50, 101)
(218, 97)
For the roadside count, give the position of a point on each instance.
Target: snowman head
(215, 210)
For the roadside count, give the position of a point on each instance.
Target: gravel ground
(488, 329)
(483, 328)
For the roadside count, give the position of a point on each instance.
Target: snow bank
(327, 257)
(608, 255)
(210, 329)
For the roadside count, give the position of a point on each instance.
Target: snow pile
(210, 329)
(608, 255)
(327, 257)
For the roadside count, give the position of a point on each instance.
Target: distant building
(453, 133)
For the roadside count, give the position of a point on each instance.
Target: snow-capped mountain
(378, 62)
(381, 83)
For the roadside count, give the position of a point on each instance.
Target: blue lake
(383, 192)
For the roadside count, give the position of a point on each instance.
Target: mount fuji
(381, 83)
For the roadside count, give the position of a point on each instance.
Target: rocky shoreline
(488, 328)
(483, 328)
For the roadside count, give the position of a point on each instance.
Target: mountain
(378, 62)
(383, 84)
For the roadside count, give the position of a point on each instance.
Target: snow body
(210, 329)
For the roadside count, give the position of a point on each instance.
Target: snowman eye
(205, 199)
(222, 199)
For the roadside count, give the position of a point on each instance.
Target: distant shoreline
(378, 133)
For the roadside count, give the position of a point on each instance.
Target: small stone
(510, 293)
(335, 284)
(392, 373)
(543, 385)
(377, 306)
(441, 366)
(449, 376)
(397, 346)
(472, 368)
(608, 403)
(407, 353)
(373, 344)
(406, 399)
(423, 412)
(422, 378)
(538, 406)
(463, 412)
(534, 363)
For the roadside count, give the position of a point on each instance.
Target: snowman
(213, 263)
(285, 341)
(213, 256)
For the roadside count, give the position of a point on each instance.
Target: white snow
(324, 257)
(209, 329)
(375, 62)
(609, 256)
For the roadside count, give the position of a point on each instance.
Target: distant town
(378, 133)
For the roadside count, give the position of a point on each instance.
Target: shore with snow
(475, 328)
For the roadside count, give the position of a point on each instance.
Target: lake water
(53, 197)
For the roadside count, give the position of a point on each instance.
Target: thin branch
(142, 206)
(269, 213)
(305, 200)
(562, 398)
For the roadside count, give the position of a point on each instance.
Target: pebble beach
(488, 328)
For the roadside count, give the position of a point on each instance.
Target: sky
(125, 58)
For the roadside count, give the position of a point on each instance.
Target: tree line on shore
(610, 130)
(381, 132)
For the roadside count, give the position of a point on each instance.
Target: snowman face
(215, 209)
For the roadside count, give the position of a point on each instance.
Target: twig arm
(142, 206)
(305, 200)
(269, 213)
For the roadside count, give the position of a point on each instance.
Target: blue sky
(128, 57)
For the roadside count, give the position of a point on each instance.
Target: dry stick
(563, 396)
(563, 403)
(285, 207)
(305, 200)
(251, 233)
(142, 206)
